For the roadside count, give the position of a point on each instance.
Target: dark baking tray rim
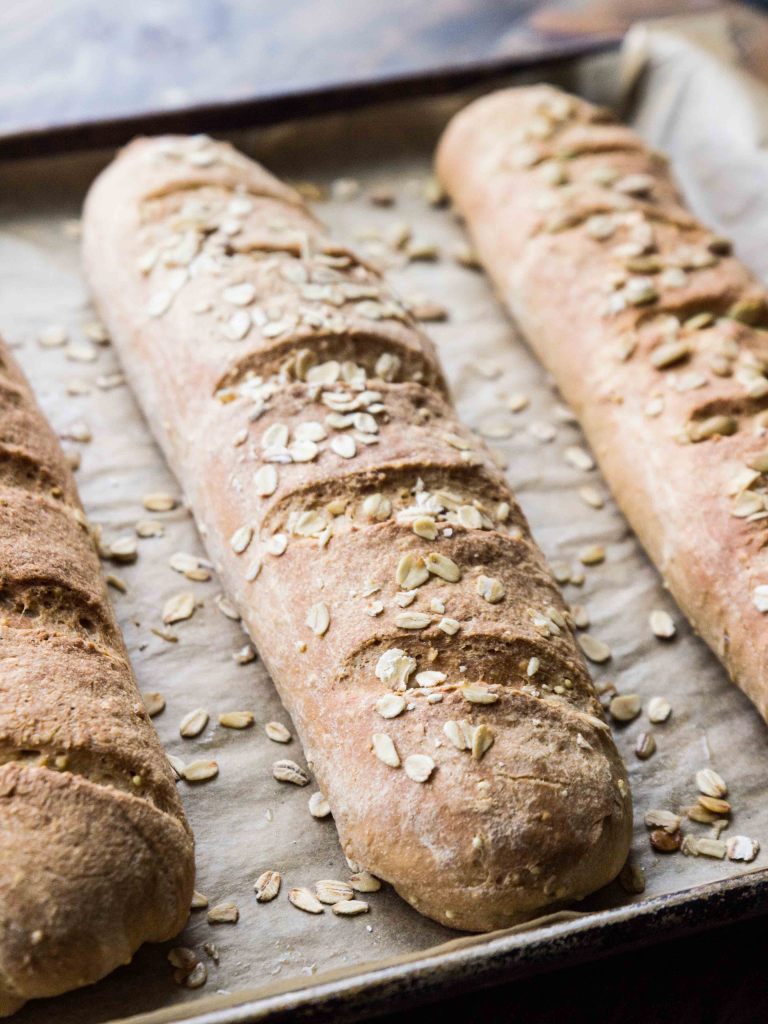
(474, 962)
(271, 108)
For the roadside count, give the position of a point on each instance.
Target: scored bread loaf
(654, 333)
(374, 551)
(96, 856)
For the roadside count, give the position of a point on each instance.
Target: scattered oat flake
(330, 891)
(350, 908)
(53, 336)
(154, 702)
(624, 707)
(159, 502)
(179, 607)
(236, 719)
(742, 848)
(517, 402)
(710, 783)
(267, 886)
(662, 624)
(319, 618)
(193, 723)
(364, 881)
(199, 901)
(659, 709)
(149, 528)
(419, 767)
(304, 900)
(277, 732)
(390, 705)
(594, 554)
(286, 770)
(384, 749)
(319, 806)
(224, 913)
(226, 607)
(200, 771)
(578, 458)
(595, 650)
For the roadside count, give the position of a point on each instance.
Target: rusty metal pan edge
(479, 961)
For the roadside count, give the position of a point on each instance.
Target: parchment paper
(244, 821)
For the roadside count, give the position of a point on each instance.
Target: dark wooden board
(81, 73)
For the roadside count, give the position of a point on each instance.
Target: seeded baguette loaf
(96, 856)
(655, 335)
(355, 524)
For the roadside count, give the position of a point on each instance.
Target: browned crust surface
(96, 856)
(328, 352)
(655, 334)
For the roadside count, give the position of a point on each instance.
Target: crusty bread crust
(655, 334)
(305, 414)
(96, 856)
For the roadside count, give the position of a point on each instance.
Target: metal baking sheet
(277, 960)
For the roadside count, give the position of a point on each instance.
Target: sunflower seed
(179, 607)
(318, 618)
(267, 886)
(595, 650)
(200, 771)
(193, 723)
(710, 783)
(154, 703)
(288, 771)
(419, 767)
(277, 732)
(659, 709)
(305, 900)
(236, 719)
(490, 589)
(390, 705)
(384, 749)
(330, 891)
(319, 806)
(224, 913)
(625, 707)
(661, 624)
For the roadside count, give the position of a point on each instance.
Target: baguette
(355, 525)
(96, 856)
(654, 333)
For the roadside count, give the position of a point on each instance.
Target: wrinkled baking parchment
(244, 821)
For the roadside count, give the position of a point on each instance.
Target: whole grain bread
(96, 856)
(655, 333)
(373, 549)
